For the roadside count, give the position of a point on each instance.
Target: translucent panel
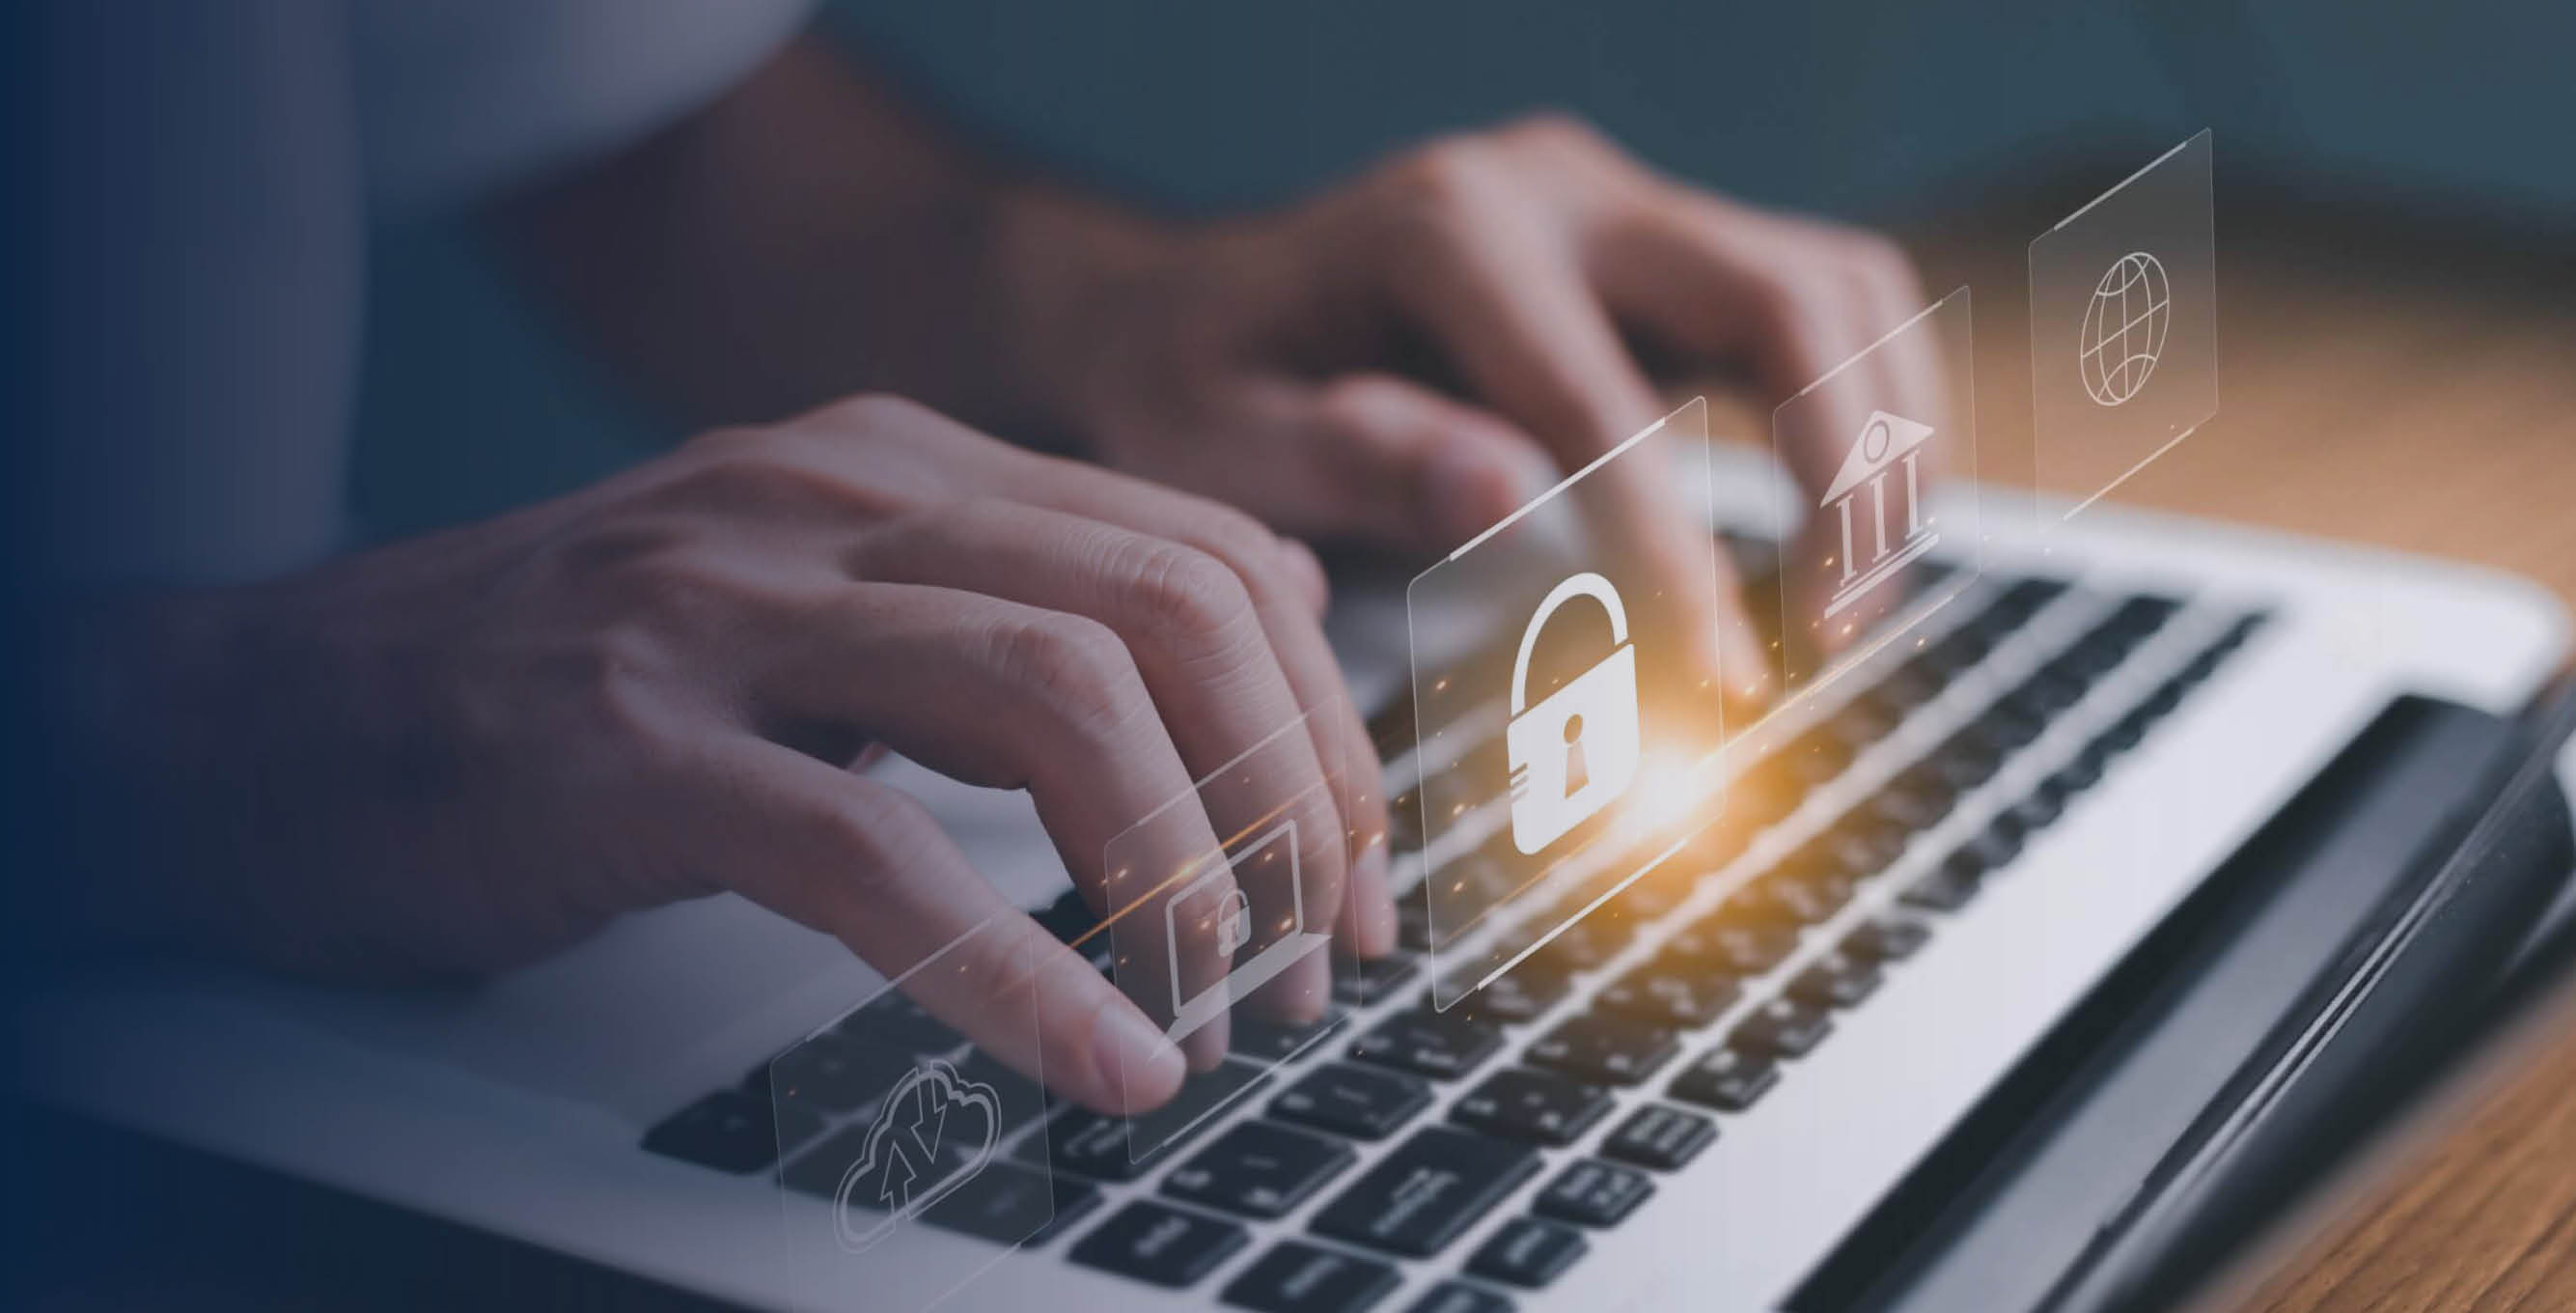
(1884, 447)
(1566, 716)
(1226, 899)
(2124, 326)
(891, 1128)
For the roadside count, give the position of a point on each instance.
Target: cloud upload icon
(932, 1134)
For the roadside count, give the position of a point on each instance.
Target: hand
(457, 753)
(1264, 362)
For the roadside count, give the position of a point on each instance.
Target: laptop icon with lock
(1235, 929)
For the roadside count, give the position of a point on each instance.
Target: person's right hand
(459, 752)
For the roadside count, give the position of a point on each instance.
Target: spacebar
(1434, 1186)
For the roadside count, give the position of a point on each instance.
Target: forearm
(810, 236)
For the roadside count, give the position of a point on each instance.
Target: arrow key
(1258, 1169)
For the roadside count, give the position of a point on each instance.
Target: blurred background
(2357, 145)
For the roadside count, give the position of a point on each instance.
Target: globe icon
(2124, 328)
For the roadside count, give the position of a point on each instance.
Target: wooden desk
(2364, 396)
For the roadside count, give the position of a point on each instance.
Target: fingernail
(1302, 562)
(1136, 1064)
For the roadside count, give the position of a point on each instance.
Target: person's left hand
(1407, 359)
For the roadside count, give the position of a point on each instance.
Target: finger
(1403, 463)
(867, 865)
(1189, 623)
(1721, 281)
(1006, 695)
(1511, 304)
(1307, 573)
(1253, 553)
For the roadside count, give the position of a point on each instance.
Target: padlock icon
(1233, 924)
(1574, 752)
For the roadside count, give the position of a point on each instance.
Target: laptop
(1683, 1099)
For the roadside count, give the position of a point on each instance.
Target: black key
(1392, 727)
(1518, 1104)
(1011, 1205)
(1996, 845)
(1727, 1079)
(1430, 1188)
(1068, 918)
(1915, 800)
(1885, 939)
(1834, 981)
(1361, 1102)
(1965, 759)
(1263, 1040)
(1296, 1277)
(1782, 1028)
(1441, 1045)
(1404, 822)
(1258, 1169)
(2045, 694)
(2038, 810)
(843, 1075)
(2008, 727)
(730, 1131)
(1660, 1137)
(1020, 1099)
(1671, 991)
(894, 1021)
(1604, 1049)
(1527, 1252)
(1859, 846)
(1360, 981)
(1590, 1193)
(2093, 656)
(1799, 899)
(1908, 686)
(1106, 1148)
(1945, 890)
(2077, 775)
(1581, 946)
(1459, 1297)
(2125, 733)
(1413, 921)
(1733, 947)
(2140, 616)
(1519, 995)
(1160, 1245)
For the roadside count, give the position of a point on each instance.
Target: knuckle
(1072, 663)
(1447, 177)
(1558, 130)
(1356, 400)
(879, 410)
(887, 830)
(1234, 537)
(1185, 593)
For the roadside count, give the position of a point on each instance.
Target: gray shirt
(209, 173)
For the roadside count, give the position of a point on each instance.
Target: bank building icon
(1878, 498)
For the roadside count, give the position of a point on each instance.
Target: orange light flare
(1671, 791)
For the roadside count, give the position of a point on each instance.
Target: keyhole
(1576, 774)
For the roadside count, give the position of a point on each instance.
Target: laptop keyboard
(1612, 1054)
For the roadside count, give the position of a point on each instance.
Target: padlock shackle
(1586, 584)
